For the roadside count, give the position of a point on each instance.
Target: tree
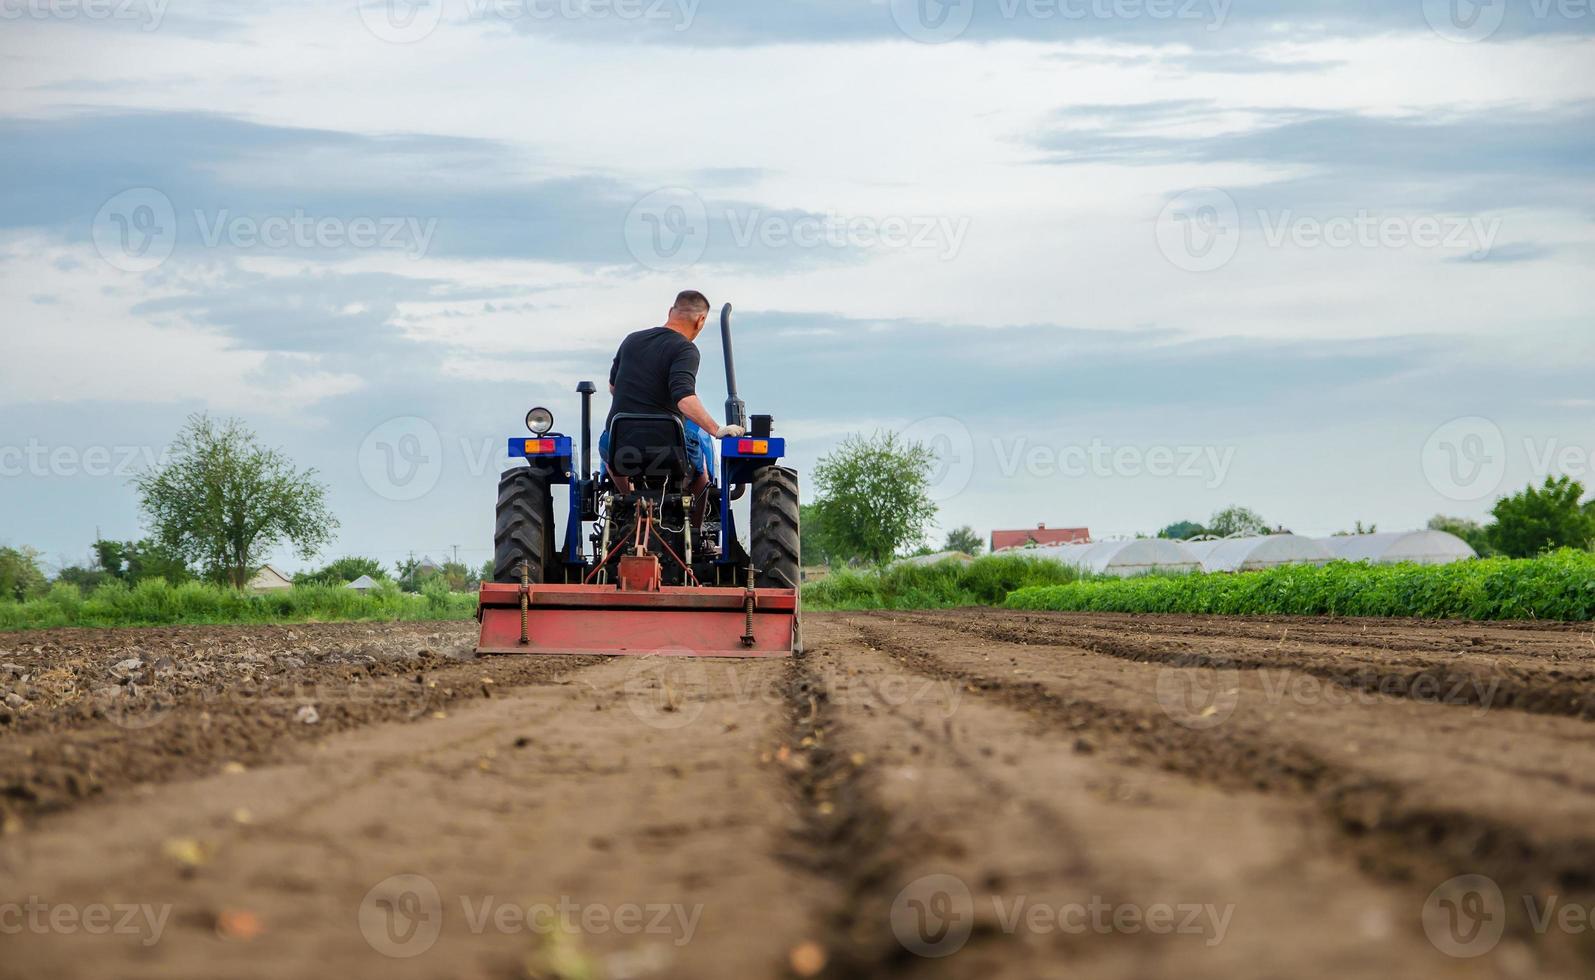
(873, 496)
(21, 578)
(457, 576)
(1235, 520)
(966, 540)
(224, 502)
(343, 571)
(84, 578)
(1539, 519)
(1475, 534)
(812, 536)
(1358, 530)
(1182, 531)
(135, 561)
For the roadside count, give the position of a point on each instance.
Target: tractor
(633, 573)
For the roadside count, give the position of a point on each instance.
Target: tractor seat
(649, 450)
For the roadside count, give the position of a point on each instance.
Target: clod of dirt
(186, 852)
(807, 959)
(239, 925)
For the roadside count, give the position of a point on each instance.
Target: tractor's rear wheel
(524, 529)
(776, 534)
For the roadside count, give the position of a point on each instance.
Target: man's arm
(692, 407)
(683, 386)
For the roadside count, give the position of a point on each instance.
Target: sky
(1119, 262)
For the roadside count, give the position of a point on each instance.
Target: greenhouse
(1258, 553)
(1418, 547)
(936, 559)
(1122, 558)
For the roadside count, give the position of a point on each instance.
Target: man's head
(689, 314)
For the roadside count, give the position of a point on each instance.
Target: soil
(942, 794)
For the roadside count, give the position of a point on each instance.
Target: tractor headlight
(539, 421)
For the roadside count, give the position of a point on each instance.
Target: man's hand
(730, 431)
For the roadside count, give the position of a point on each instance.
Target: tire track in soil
(1520, 638)
(1390, 833)
(843, 834)
(1028, 828)
(1461, 678)
(53, 770)
(625, 787)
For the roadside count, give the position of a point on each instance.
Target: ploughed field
(939, 794)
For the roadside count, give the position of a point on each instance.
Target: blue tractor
(633, 572)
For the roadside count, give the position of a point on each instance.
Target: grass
(1558, 586)
(155, 603)
(949, 584)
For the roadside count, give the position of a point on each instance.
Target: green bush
(984, 582)
(1557, 586)
(154, 602)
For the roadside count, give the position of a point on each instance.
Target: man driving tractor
(656, 373)
(638, 566)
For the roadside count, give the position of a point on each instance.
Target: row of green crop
(155, 603)
(1558, 586)
(950, 584)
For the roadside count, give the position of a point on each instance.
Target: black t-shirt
(653, 371)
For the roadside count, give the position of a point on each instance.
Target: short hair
(692, 301)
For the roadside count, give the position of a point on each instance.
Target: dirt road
(957, 794)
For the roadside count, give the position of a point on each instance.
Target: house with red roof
(1038, 536)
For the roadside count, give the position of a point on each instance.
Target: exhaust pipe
(586, 389)
(736, 411)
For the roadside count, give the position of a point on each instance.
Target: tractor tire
(524, 529)
(776, 535)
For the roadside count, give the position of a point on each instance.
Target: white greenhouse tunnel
(928, 561)
(1256, 554)
(1418, 547)
(1123, 558)
(1143, 555)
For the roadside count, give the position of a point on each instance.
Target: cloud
(230, 184)
(709, 23)
(1509, 253)
(1041, 374)
(1458, 159)
(1193, 22)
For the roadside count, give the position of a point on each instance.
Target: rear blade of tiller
(602, 619)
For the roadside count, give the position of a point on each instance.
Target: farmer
(656, 373)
